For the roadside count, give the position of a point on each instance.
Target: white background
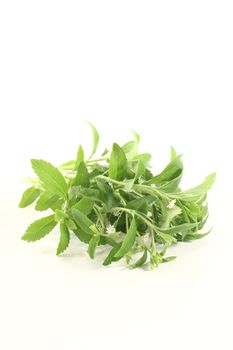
(163, 68)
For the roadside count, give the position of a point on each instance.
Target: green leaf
(195, 236)
(39, 228)
(170, 215)
(196, 192)
(128, 240)
(29, 196)
(104, 152)
(59, 215)
(171, 171)
(90, 193)
(95, 139)
(67, 165)
(167, 238)
(172, 185)
(110, 257)
(117, 163)
(79, 158)
(168, 259)
(71, 224)
(82, 221)
(92, 245)
(106, 195)
(64, 238)
(85, 205)
(129, 147)
(140, 170)
(142, 260)
(179, 228)
(173, 153)
(82, 178)
(140, 204)
(136, 136)
(51, 177)
(82, 235)
(46, 201)
(128, 185)
(145, 157)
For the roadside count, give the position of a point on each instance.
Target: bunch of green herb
(117, 201)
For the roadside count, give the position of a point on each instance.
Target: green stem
(151, 191)
(138, 188)
(108, 179)
(96, 160)
(132, 212)
(96, 209)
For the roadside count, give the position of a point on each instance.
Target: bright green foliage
(80, 157)
(95, 139)
(64, 238)
(129, 240)
(117, 163)
(117, 201)
(39, 228)
(50, 177)
(29, 196)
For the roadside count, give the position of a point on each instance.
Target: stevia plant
(117, 201)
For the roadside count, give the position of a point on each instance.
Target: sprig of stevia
(115, 200)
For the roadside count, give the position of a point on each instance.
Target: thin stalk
(96, 160)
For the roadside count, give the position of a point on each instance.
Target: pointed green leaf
(29, 196)
(129, 147)
(39, 228)
(92, 245)
(142, 260)
(140, 204)
(117, 163)
(110, 257)
(179, 228)
(171, 171)
(85, 205)
(83, 221)
(95, 139)
(172, 185)
(46, 201)
(168, 259)
(195, 236)
(82, 178)
(145, 157)
(136, 136)
(170, 215)
(140, 170)
(79, 158)
(173, 153)
(196, 192)
(104, 152)
(71, 224)
(64, 238)
(106, 195)
(128, 240)
(51, 177)
(167, 238)
(83, 236)
(59, 215)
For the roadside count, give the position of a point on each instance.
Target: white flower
(110, 229)
(116, 213)
(171, 204)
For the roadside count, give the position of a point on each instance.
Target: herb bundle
(117, 201)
